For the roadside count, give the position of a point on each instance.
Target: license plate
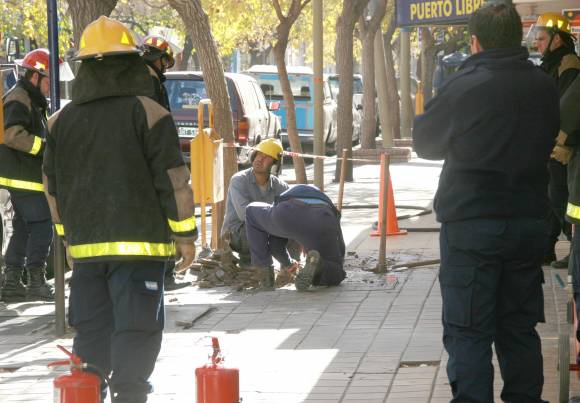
(187, 131)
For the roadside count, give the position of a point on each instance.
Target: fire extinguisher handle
(64, 363)
(216, 357)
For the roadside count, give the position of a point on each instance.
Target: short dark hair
(496, 25)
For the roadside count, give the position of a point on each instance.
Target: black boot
(13, 290)
(263, 277)
(37, 288)
(307, 273)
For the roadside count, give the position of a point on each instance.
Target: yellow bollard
(419, 100)
(207, 176)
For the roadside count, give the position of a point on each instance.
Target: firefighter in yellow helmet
(158, 55)
(252, 184)
(118, 190)
(555, 41)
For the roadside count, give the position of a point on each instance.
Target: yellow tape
(122, 249)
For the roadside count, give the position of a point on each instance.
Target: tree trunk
(197, 22)
(256, 57)
(279, 53)
(195, 61)
(369, 123)
(394, 101)
(285, 23)
(368, 30)
(427, 57)
(186, 54)
(351, 11)
(83, 12)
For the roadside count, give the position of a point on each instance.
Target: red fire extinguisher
(216, 384)
(77, 387)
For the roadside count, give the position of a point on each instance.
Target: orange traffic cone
(392, 224)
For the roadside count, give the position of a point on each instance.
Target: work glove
(561, 138)
(184, 253)
(561, 154)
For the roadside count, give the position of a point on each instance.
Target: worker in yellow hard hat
(116, 144)
(256, 183)
(554, 39)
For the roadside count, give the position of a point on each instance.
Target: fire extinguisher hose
(102, 374)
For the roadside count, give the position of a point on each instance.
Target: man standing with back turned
(494, 123)
(117, 145)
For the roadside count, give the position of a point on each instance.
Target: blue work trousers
(314, 226)
(491, 286)
(116, 308)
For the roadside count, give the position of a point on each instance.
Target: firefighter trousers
(116, 308)
(491, 286)
(32, 231)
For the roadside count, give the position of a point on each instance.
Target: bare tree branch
(161, 5)
(306, 2)
(378, 16)
(279, 13)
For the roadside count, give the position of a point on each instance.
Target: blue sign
(435, 12)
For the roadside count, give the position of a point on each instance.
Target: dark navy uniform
(494, 123)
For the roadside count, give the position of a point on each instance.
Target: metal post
(382, 91)
(405, 77)
(342, 177)
(318, 93)
(59, 305)
(382, 266)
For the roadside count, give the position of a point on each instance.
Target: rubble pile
(221, 269)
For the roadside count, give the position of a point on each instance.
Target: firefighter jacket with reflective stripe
(570, 129)
(115, 177)
(25, 130)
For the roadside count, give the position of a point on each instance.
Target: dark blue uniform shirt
(494, 122)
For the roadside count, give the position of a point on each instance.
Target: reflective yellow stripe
(36, 146)
(59, 229)
(17, 184)
(573, 211)
(182, 226)
(121, 249)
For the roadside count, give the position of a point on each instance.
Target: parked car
(8, 76)
(253, 121)
(301, 82)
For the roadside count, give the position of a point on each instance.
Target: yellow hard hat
(270, 147)
(106, 37)
(555, 22)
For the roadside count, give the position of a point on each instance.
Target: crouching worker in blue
(494, 123)
(303, 214)
(118, 190)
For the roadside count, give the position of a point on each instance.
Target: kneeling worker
(250, 185)
(306, 215)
